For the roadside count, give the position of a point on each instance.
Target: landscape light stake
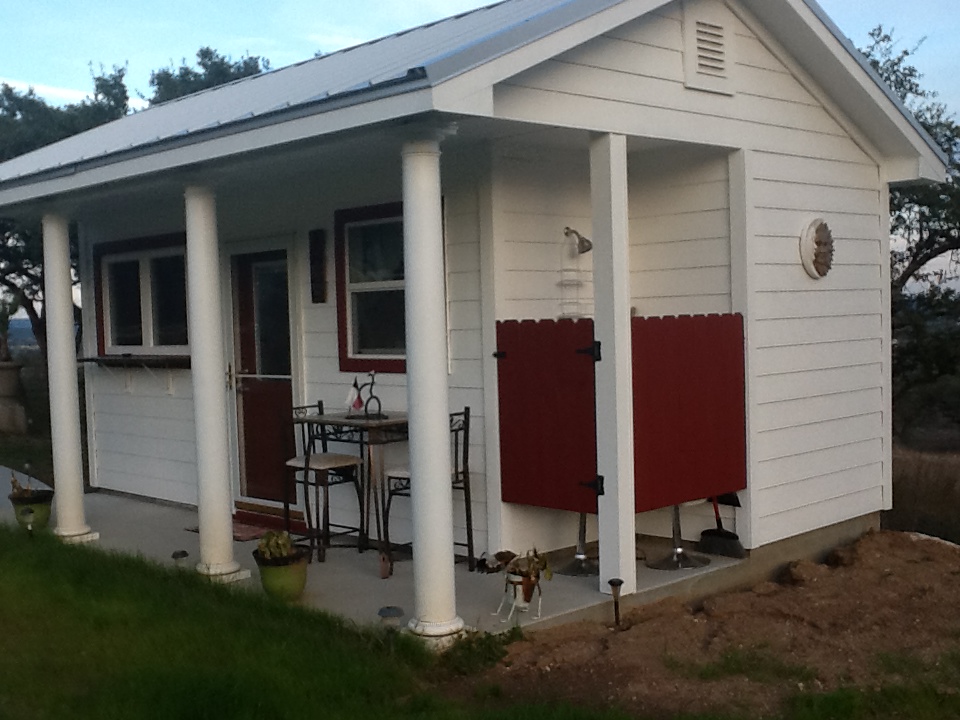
(615, 584)
(390, 616)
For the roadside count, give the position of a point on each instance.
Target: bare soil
(878, 609)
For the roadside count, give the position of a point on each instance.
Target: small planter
(32, 508)
(283, 578)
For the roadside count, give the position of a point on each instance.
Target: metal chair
(398, 481)
(326, 469)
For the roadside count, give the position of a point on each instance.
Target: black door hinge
(500, 354)
(595, 484)
(591, 350)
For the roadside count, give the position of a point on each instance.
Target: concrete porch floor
(349, 584)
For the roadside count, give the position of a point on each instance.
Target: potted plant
(30, 505)
(283, 566)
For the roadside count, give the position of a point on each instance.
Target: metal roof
(405, 62)
(400, 60)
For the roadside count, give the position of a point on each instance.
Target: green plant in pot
(30, 505)
(283, 566)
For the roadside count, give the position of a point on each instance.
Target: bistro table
(370, 433)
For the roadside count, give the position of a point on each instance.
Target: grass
(478, 651)
(915, 671)
(752, 663)
(914, 703)
(86, 634)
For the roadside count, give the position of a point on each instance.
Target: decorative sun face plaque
(816, 249)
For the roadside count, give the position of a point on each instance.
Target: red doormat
(241, 531)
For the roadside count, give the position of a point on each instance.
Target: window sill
(140, 361)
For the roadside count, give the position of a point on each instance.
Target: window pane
(272, 318)
(169, 286)
(125, 322)
(376, 251)
(378, 323)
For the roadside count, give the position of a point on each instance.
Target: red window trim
(341, 219)
(101, 250)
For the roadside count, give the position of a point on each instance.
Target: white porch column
(435, 612)
(614, 374)
(209, 387)
(62, 374)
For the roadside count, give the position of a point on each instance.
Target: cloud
(55, 95)
(63, 96)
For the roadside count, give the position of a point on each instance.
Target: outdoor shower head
(583, 244)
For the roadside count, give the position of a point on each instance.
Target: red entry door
(263, 379)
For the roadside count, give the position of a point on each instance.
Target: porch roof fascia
(255, 134)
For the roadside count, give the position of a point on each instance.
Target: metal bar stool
(398, 481)
(318, 469)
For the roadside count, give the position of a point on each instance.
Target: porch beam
(62, 374)
(205, 329)
(614, 374)
(435, 613)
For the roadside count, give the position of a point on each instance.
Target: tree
(28, 122)
(214, 69)
(926, 368)
(925, 218)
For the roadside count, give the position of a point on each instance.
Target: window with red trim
(368, 244)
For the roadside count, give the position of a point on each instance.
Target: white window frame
(352, 288)
(147, 346)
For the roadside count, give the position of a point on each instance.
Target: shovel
(719, 541)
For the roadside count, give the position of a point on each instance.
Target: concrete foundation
(764, 563)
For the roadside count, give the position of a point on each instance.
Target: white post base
(438, 636)
(223, 572)
(75, 538)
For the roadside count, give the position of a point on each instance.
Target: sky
(51, 45)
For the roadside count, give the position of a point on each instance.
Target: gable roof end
(807, 33)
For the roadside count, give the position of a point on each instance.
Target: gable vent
(711, 55)
(709, 52)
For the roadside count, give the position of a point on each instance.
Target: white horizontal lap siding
(541, 194)
(817, 355)
(145, 438)
(818, 350)
(323, 378)
(631, 81)
(680, 233)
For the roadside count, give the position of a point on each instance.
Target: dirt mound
(884, 605)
